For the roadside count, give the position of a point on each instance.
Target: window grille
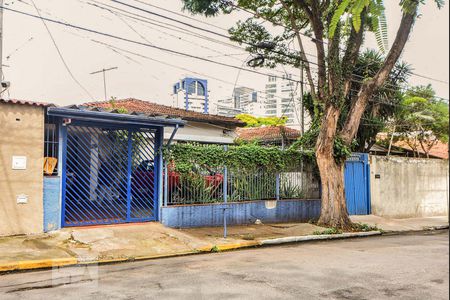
(51, 146)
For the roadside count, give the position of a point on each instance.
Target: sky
(36, 71)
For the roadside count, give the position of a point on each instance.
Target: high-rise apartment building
(192, 94)
(244, 101)
(283, 99)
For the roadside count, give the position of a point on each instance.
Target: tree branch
(302, 50)
(353, 121)
(334, 63)
(314, 14)
(352, 53)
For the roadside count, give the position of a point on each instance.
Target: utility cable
(59, 51)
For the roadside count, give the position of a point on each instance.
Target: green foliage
(291, 190)
(252, 121)
(384, 104)
(193, 188)
(215, 249)
(329, 231)
(244, 187)
(249, 157)
(120, 110)
(365, 227)
(423, 119)
(341, 151)
(207, 7)
(354, 9)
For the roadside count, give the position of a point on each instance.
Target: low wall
(241, 213)
(407, 187)
(52, 203)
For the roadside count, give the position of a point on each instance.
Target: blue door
(110, 175)
(357, 184)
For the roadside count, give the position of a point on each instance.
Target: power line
(159, 15)
(222, 35)
(139, 18)
(181, 15)
(132, 41)
(8, 57)
(117, 49)
(200, 28)
(147, 20)
(316, 40)
(59, 51)
(138, 43)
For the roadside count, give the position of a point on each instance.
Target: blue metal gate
(357, 184)
(110, 175)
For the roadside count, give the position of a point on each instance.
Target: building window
(51, 146)
(201, 91)
(255, 97)
(192, 88)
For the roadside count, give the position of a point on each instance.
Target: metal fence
(208, 186)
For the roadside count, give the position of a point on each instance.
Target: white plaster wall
(202, 133)
(409, 187)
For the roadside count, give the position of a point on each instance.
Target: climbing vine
(246, 157)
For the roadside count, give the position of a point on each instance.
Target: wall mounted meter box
(19, 163)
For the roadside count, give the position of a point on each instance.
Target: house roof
(25, 102)
(150, 108)
(440, 150)
(114, 116)
(268, 134)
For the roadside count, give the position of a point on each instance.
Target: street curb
(68, 262)
(307, 238)
(229, 247)
(37, 264)
(432, 228)
(411, 231)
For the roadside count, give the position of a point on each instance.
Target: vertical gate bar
(101, 181)
(82, 149)
(159, 170)
(64, 175)
(225, 197)
(130, 156)
(278, 186)
(166, 184)
(369, 194)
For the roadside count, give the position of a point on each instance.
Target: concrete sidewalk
(106, 244)
(117, 243)
(403, 225)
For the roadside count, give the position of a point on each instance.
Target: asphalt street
(390, 267)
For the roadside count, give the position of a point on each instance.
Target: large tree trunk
(334, 208)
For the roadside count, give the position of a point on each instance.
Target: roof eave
(108, 117)
(214, 122)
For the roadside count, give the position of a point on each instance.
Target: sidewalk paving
(103, 244)
(403, 225)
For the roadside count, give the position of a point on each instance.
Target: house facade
(93, 164)
(21, 159)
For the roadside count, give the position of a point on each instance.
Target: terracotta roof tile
(25, 102)
(268, 134)
(440, 150)
(150, 108)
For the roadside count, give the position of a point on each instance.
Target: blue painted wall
(240, 213)
(52, 203)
